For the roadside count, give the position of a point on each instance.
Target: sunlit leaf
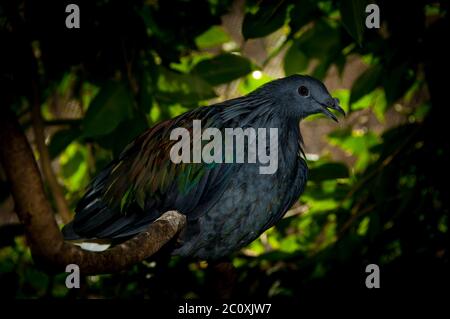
(214, 36)
(379, 105)
(356, 143)
(187, 63)
(363, 226)
(376, 100)
(74, 169)
(72, 165)
(256, 247)
(182, 88)
(249, 83)
(322, 205)
(344, 97)
(289, 244)
(177, 109)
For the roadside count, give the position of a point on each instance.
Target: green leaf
(379, 104)
(340, 63)
(249, 83)
(328, 171)
(320, 71)
(186, 89)
(397, 82)
(343, 95)
(363, 226)
(223, 68)
(74, 169)
(321, 42)
(61, 139)
(356, 143)
(366, 83)
(269, 18)
(303, 12)
(151, 25)
(214, 36)
(37, 280)
(123, 134)
(353, 18)
(295, 61)
(72, 166)
(112, 105)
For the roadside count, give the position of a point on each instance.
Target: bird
(227, 204)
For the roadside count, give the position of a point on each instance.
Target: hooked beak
(332, 103)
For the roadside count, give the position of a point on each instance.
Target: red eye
(303, 91)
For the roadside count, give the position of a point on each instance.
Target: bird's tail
(69, 233)
(85, 244)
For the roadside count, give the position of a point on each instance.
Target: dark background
(378, 187)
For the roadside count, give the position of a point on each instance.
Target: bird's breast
(249, 203)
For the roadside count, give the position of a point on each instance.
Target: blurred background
(377, 191)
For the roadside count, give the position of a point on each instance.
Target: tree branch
(44, 158)
(44, 238)
(62, 122)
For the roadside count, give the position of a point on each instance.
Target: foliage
(130, 66)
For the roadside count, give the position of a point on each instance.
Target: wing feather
(143, 182)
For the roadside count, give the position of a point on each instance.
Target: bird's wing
(143, 183)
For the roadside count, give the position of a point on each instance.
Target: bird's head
(300, 96)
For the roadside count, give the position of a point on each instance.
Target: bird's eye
(303, 91)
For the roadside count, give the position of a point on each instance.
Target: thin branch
(62, 122)
(90, 154)
(45, 240)
(44, 158)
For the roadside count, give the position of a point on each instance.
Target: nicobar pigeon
(227, 205)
